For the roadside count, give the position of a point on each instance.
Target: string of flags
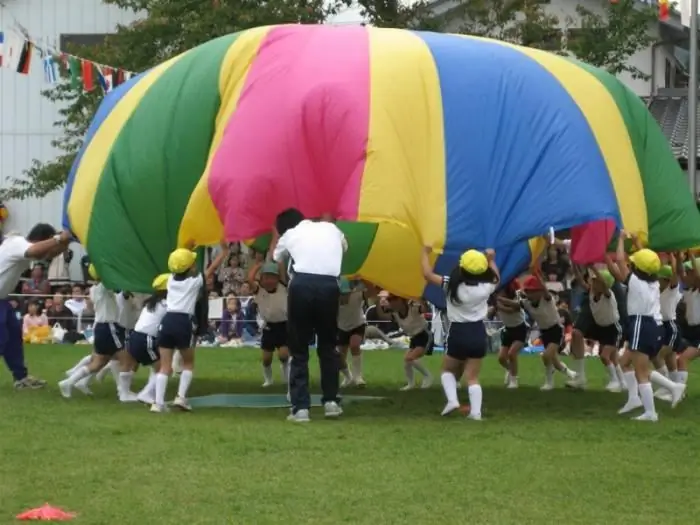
(18, 53)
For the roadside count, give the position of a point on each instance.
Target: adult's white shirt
(13, 263)
(316, 248)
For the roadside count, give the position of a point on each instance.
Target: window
(87, 40)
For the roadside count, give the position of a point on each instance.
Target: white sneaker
(663, 394)
(677, 394)
(82, 385)
(65, 388)
(182, 404)
(474, 417)
(630, 406)
(302, 416)
(128, 397)
(407, 387)
(158, 409)
(577, 383)
(345, 382)
(449, 408)
(646, 416)
(145, 398)
(332, 409)
(546, 387)
(613, 386)
(267, 383)
(360, 381)
(513, 383)
(427, 382)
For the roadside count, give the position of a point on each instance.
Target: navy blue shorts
(644, 335)
(467, 341)
(672, 337)
(274, 336)
(554, 335)
(610, 335)
(691, 335)
(512, 334)
(422, 340)
(176, 331)
(345, 335)
(143, 348)
(109, 338)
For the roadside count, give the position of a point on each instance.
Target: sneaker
(646, 416)
(360, 381)
(128, 397)
(158, 409)
(345, 382)
(613, 386)
(474, 417)
(145, 398)
(513, 383)
(577, 383)
(407, 387)
(182, 404)
(267, 383)
(427, 382)
(83, 387)
(301, 416)
(65, 388)
(677, 394)
(630, 406)
(546, 387)
(29, 383)
(332, 409)
(449, 408)
(663, 395)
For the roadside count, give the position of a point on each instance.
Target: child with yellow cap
(108, 337)
(177, 328)
(644, 328)
(467, 289)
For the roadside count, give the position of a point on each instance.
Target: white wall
(26, 118)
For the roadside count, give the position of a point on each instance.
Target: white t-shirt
(414, 323)
(643, 298)
(670, 298)
(544, 313)
(692, 307)
(316, 247)
(13, 263)
(604, 309)
(128, 311)
(183, 294)
(149, 322)
(105, 303)
(474, 305)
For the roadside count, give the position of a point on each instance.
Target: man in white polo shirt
(316, 249)
(16, 254)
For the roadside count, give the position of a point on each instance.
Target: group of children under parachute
(644, 317)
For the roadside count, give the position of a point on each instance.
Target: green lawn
(561, 457)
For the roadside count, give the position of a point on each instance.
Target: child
(35, 326)
(270, 295)
(143, 347)
(351, 331)
(671, 342)
(644, 328)
(542, 308)
(515, 331)
(408, 315)
(467, 291)
(109, 336)
(691, 331)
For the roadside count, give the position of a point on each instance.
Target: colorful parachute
(409, 138)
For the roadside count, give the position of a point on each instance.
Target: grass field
(559, 457)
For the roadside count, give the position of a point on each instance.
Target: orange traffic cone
(46, 513)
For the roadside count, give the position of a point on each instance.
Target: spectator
(232, 276)
(58, 314)
(35, 326)
(555, 267)
(37, 283)
(248, 311)
(77, 303)
(230, 327)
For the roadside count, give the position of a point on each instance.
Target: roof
(671, 112)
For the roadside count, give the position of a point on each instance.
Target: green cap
(270, 268)
(607, 277)
(666, 272)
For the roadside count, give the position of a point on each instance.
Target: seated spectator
(37, 284)
(58, 314)
(231, 275)
(76, 304)
(35, 325)
(230, 327)
(249, 312)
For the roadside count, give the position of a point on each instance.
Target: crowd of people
(643, 314)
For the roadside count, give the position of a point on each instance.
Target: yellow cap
(93, 272)
(647, 261)
(181, 260)
(160, 283)
(473, 262)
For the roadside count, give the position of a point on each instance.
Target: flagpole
(693, 100)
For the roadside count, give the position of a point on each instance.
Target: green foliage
(608, 40)
(174, 26)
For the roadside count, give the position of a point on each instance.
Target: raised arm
(49, 248)
(579, 276)
(491, 257)
(214, 265)
(428, 273)
(673, 260)
(619, 269)
(252, 276)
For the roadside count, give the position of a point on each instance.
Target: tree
(170, 27)
(608, 40)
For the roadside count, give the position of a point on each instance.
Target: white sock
(102, 372)
(661, 380)
(475, 397)
(620, 375)
(186, 380)
(647, 395)
(580, 368)
(663, 370)
(345, 372)
(284, 367)
(549, 374)
(79, 374)
(150, 387)
(177, 362)
(420, 367)
(408, 370)
(83, 362)
(161, 387)
(267, 373)
(356, 365)
(449, 386)
(632, 386)
(612, 373)
(673, 375)
(682, 376)
(124, 384)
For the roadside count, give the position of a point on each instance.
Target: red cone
(46, 513)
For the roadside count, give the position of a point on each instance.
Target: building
(26, 117)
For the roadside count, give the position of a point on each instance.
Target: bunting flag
(664, 9)
(25, 58)
(51, 73)
(2, 46)
(87, 70)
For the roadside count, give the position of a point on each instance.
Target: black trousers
(312, 307)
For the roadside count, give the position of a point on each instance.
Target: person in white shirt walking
(16, 254)
(317, 249)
